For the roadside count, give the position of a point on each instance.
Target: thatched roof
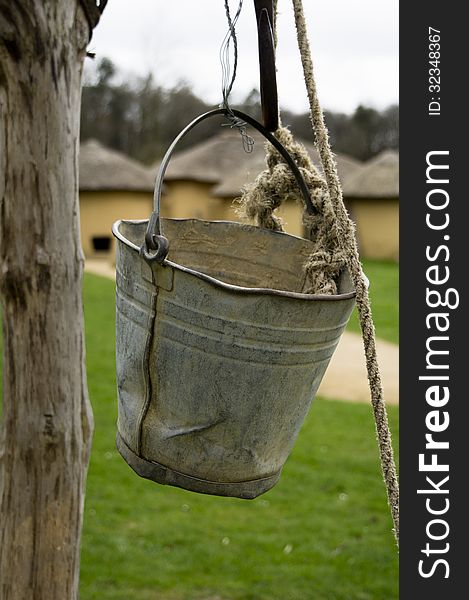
(378, 178)
(232, 184)
(107, 170)
(222, 161)
(214, 159)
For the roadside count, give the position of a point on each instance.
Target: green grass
(323, 533)
(384, 295)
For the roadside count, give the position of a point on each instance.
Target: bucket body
(219, 353)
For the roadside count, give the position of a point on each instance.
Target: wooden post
(47, 420)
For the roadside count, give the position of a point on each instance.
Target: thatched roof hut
(103, 169)
(112, 187)
(222, 161)
(372, 196)
(203, 180)
(378, 178)
(214, 159)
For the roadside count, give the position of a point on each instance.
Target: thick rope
(333, 234)
(275, 185)
(347, 241)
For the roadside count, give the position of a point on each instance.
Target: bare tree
(47, 420)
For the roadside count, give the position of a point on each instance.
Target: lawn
(323, 533)
(384, 295)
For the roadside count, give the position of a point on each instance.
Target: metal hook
(268, 78)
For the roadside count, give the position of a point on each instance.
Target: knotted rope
(334, 239)
(275, 185)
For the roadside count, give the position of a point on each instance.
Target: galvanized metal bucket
(219, 350)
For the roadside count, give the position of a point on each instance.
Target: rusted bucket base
(161, 474)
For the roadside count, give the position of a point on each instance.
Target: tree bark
(47, 420)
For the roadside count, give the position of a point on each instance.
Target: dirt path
(100, 267)
(345, 377)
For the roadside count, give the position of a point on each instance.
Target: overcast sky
(354, 45)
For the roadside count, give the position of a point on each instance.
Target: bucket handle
(156, 246)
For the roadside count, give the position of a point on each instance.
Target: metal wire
(229, 75)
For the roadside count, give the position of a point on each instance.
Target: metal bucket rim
(229, 286)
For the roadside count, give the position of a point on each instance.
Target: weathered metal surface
(219, 353)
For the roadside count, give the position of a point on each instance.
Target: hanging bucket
(219, 349)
